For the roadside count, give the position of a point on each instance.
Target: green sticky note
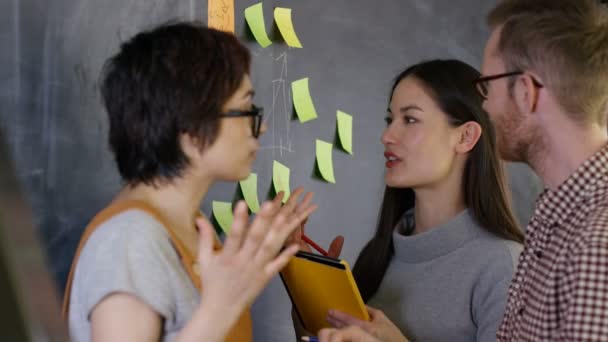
(249, 187)
(280, 179)
(254, 15)
(345, 131)
(222, 211)
(302, 100)
(282, 17)
(324, 160)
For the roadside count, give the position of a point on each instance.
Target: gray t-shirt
(132, 253)
(449, 283)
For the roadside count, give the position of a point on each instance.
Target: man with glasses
(546, 89)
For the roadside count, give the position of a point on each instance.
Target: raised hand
(251, 255)
(335, 248)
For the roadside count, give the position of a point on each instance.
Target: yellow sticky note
(254, 15)
(220, 15)
(280, 179)
(324, 160)
(222, 211)
(302, 101)
(249, 187)
(282, 17)
(345, 131)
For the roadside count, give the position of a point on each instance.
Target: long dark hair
(484, 186)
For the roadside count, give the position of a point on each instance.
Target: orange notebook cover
(317, 284)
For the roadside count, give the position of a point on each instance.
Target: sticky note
(324, 160)
(222, 211)
(305, 109)
(282, 17)
(254, 15)
(249, 187)
(220, 15)
(345, 131)
(280, 179)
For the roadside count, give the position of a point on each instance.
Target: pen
(310, 338)
(314, 245)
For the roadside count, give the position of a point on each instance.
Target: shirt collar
(555, 206)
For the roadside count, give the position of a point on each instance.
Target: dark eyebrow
(410, 107)
(404, 109)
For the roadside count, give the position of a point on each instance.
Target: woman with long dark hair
(447, 242)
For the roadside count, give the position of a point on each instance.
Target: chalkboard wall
(51, 113)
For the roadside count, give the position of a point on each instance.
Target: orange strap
(242, 331)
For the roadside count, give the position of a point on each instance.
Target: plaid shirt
(560, 289)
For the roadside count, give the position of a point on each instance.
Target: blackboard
(52, 117)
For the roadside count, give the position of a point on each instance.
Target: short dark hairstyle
(450, 84)
(164, 82)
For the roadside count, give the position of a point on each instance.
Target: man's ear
(525, 94)
(469, 135)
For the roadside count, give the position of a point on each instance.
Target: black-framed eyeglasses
(482, 83)
(256, 113)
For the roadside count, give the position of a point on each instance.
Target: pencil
(310, 338)
(314, 245)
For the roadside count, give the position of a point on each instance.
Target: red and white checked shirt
(560, 289)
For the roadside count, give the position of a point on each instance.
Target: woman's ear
(469, 135)
(190, 145)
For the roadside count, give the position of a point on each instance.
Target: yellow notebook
(317, 284)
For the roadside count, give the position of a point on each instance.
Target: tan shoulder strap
(187, 259)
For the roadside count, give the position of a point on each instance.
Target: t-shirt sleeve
(128, 256)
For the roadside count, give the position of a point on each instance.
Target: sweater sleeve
(491, 290)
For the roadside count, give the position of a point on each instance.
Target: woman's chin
(396, 183)
(244, 175)
(235, 175)
(391, 182)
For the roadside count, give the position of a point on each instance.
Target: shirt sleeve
(587, 313)
(131, 257)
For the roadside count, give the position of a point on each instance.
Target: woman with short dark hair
(179, 100)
